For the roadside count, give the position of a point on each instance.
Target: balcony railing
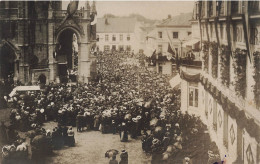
(63, 13)
(189, 62)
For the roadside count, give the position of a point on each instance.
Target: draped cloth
(190, 77)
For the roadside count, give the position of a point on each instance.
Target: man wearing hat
(124, 157)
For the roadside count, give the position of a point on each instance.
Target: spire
(93, 7)
(87, 6)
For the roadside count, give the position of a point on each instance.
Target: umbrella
(154, 122)
(111, 153)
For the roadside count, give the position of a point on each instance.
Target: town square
(138, 82)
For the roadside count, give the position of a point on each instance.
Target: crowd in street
(126, 99)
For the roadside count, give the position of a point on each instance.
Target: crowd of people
(126, 98)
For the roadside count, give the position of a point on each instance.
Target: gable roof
(116, 25)
(179, 20)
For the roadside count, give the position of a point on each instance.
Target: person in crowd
(71, 139)
(123, 157)
(113, 160)
(3, 134)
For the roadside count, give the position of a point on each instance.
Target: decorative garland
(239, 66)
(256, 87)
(205, 50)
(224, 62)
(189, 77)
(233, 111)
(214, 62)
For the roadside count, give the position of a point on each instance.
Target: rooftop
(116, 25)
(179, 20)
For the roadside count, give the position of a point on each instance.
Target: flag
(153, 58)
(72, 7)
(93, 18)
(171, 53)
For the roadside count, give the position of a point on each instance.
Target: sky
(149, 9)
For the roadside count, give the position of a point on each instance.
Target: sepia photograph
(130, 82)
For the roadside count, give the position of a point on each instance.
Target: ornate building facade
(37, 41)
(225, 92)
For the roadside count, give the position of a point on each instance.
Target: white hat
(42, 110)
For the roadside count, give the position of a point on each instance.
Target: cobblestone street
(92, 145)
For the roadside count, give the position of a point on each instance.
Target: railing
(63, 13)
(10, 13)
(189, 62)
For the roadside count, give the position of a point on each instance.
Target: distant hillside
(138, 17)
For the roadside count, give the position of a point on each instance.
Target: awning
(175, 81)
(24, 88)
(191, 42)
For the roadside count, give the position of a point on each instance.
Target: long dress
(124, 134)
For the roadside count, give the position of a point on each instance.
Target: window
(254, 36)
(106, 48)
(238, 32)
(234, 7)
(220, 8)
(253, 6)
(121, 37)
(113, 47)
(160, 49)
(128, 48)
(211, 29)
(128, 37)
(189, 33)
(210, 8)
(106, 37)
(193, 94)
(221, 31)
(121, 48)
(114, 38)
(159, 34)
(175, 35)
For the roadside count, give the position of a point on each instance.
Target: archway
(42, 79)
(67, 55)
(7, 63)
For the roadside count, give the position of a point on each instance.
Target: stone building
(121, 34)
(225, 92)
(174, 30)
(36, 41)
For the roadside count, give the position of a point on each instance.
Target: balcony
(191, 63)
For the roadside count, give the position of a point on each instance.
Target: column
(84, 62)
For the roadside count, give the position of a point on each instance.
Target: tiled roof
(116, 25)
(179, 20)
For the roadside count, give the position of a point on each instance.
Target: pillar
(84, 62)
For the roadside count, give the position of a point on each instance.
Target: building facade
(36, 41)
(225, 92)
(175, 31)
(121, 34)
